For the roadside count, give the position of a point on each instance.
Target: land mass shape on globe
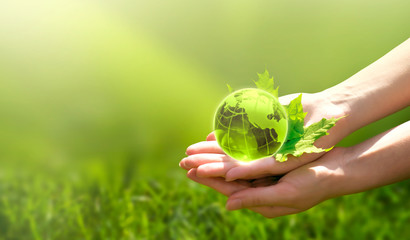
(250, 124)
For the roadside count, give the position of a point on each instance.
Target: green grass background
(99, 99)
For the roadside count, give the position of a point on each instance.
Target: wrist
(378, 161)
(340, 100)
(333, 177)
(330, 105)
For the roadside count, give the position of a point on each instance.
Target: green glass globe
(250, 124)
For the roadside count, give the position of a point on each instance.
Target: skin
(211, 161)
(377, 91)
(340, 172)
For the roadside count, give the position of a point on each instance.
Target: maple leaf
(265, 82)
(299, 139)
(304, 144)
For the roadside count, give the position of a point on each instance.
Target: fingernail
(229, 178)
(188, 150)
(182, 163)
(234, 204)
(191, 172)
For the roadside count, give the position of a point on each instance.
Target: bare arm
(377, 91)
(379, 161)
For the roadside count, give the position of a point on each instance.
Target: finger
(211, 137)
(219, 184)
(272, 212)
(277, 195)
(229, 188)
(197, 160)
(251, 170)
(204, 147)
(266, 181)
(264, 167)
(215, 169)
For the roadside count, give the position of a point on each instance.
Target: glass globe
(250, 124)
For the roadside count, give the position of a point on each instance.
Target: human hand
(295, 192)
(357, 98)
(376, 162)
(379, 161)
(211, 161)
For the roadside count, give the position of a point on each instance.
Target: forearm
(379, 161)
(377, 91)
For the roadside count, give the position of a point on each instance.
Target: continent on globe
(250, 124)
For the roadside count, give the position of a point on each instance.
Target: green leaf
(265, 82)
(296, 118)
(301, 139)
(229, 88)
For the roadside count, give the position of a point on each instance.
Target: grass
(85, 80)
(99, 201)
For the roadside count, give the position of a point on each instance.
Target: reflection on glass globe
(250, 124)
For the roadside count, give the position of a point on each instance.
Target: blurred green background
(99, 100)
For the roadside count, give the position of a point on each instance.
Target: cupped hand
(295, 192)
(211, 161)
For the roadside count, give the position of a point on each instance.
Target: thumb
(265, 167)
(280, 194)
(211, 137)
(255, 169)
